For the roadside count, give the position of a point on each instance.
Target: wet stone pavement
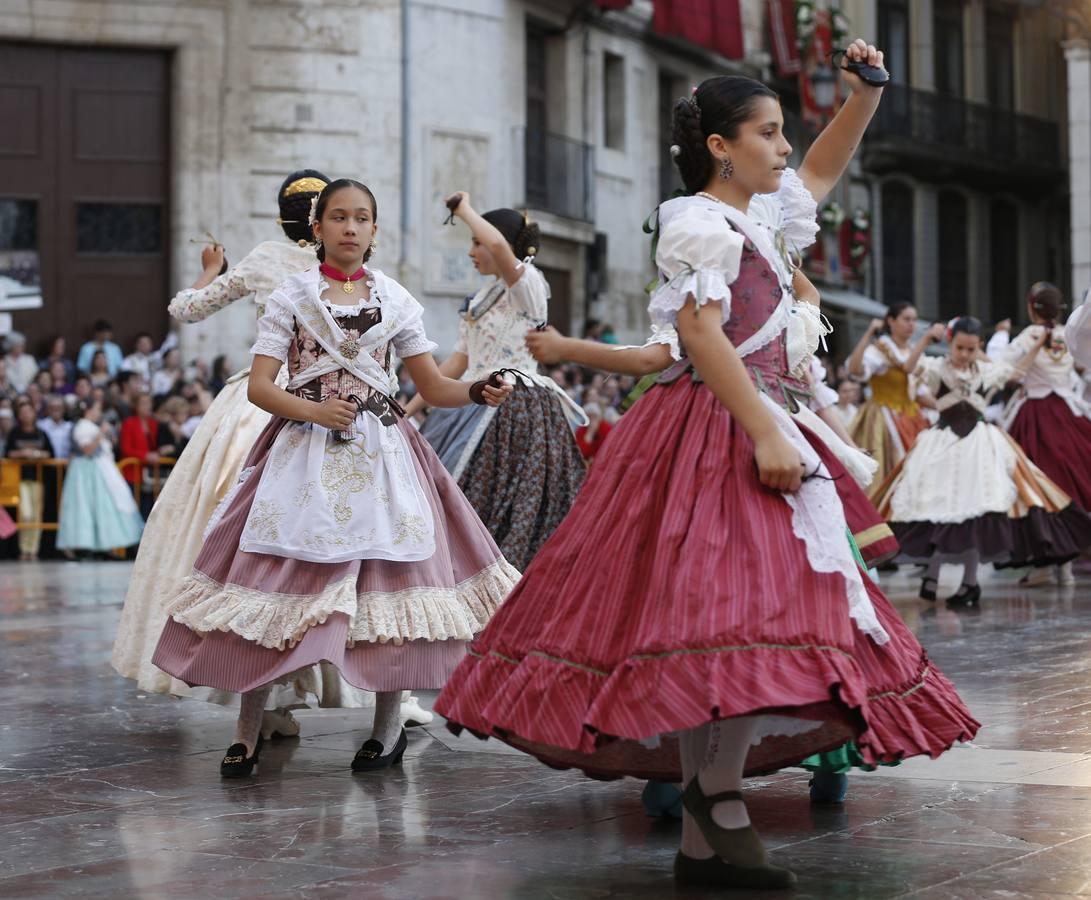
(109, 792)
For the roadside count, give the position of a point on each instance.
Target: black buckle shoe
(928, 593)
(968, 595)
(370, 756)
(236, 764)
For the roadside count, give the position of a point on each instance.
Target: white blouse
(277, 327)
(257, 274)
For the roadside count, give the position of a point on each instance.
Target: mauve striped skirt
(676, 593)
(242, 620)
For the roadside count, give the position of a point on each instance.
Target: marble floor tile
(109, 792)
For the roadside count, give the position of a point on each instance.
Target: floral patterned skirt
(525, 473)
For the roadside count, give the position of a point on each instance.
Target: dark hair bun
(524, 236)
(965, 325)
(294, 199)
(1046, 300)
(719, 106)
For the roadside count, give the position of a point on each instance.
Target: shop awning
(843, 298)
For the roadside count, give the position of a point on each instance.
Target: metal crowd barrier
(11, 473)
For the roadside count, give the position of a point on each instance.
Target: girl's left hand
(494, 396)
(861, 51)
(938, 332)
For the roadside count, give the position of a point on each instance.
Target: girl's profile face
(760, 151)
(903, 325)
(482, 259)
(347, 227)
(963, 349)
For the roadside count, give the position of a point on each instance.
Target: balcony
(560, 175)
(937, 136)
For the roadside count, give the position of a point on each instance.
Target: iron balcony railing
(560, 175)
(932, 122)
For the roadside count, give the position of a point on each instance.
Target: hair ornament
(311, 217)
(949, 332)
(676, 151)
(304, 186)
(693, 103)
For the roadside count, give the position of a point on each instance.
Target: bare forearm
(265, 394)
(206, 278)
(855, 363)
(627, 361)
(833, 149)
(454, 366)
(910, 365)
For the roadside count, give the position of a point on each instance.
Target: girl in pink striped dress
(345, 540)
(699, 615)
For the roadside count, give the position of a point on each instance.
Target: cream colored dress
(204, 474)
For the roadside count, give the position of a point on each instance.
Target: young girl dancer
(966, 492)
(209, 467)
(889, 420)
(519, 465)
(1048, 416)
(98, 512)
(728, 628)
(345, 540)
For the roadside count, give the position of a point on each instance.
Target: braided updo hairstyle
(524, 236)
(323, 200)
(296, 206)
(718, 106)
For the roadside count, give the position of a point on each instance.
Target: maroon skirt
(1058, 442)
(676, 593)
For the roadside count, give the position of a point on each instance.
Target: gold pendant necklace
(348, 286)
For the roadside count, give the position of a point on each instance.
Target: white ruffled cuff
(666, 336)
(800, 212)
(704, 285)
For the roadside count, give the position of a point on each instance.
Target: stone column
(922, 69)
(1078, 59)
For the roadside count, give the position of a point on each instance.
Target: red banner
(782, 33)
(715, 24)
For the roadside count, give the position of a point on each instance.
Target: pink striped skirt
(242, 620)
(676, 593)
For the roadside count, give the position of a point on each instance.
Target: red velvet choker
(349, 281)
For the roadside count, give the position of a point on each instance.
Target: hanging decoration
(855, 244)
(820, 28)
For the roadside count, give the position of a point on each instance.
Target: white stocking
(388, 720)
(251, 708)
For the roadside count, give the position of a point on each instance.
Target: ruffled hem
(704, 285)
(1039, 538)
(601, 722)
(279, 621)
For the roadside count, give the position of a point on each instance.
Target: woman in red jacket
(140, 439)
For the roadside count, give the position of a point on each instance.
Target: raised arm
(855, 363)
(833, 149)
(550, 347)
(701, 329)
(211, 292)
(933, 334)
(510, 268)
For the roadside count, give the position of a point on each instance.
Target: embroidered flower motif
(409, 528)
(265, 520)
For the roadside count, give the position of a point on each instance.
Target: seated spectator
(140, 440)
(848, 400)
(199, 400)
(99, 372)
(166, 379)
(589, 437)
(27, 441)
(219, 376)
(21, 366)
(44, 380)
(103, 340)
(173, 415)
(36, 397)
(62, 384)
(58, 355)
(123, 392)
(57, 427)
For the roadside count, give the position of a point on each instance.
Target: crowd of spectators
(150, 404)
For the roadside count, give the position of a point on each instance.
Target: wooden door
(93, 160)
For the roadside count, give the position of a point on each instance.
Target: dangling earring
(374, 245)
(317, 244)
(727, 169)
